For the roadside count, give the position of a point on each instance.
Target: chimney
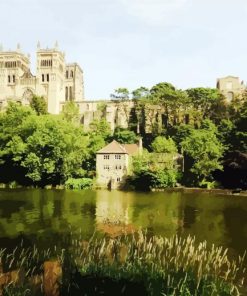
(140, 146)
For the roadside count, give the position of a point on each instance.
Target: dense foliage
(199, 124)
(45, 149)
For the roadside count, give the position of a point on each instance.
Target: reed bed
(163, 266)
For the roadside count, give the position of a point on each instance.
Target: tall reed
(164, 266)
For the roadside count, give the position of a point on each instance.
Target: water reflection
(113, 215)
(48, 217)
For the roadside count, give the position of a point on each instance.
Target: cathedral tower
(13, 64)
(50, 75)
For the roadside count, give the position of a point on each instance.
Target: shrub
(78, 184)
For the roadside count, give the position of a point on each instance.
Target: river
(49, 217)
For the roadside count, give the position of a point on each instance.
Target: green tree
(125, 136)
(179, 133)
(39, 104)
(120, 94)
(70, 112)
(98, 135)
(48, 149)
(226, 133)
(241, 129)
(100, 127)
(163, 145)
(203, 99)
(149, 173)
(175, 102)
(141, 93)
(54, 151)
(206, 151)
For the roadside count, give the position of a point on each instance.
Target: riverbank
(194, 190)
(237, 192)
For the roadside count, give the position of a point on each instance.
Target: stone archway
(230, 96)
(27, 95)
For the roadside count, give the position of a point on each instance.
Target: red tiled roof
(115, 147)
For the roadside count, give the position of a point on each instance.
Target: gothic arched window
(70, 93)
(66, 93)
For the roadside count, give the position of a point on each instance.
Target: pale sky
(133, 43)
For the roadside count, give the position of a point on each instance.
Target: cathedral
(55, 80)
(59, 82)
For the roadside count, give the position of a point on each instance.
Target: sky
(133, 43)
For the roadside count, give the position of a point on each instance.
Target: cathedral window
(67, 74)
(8, 78)
(71, 74)
(70, 93)
(117, 156)
(47, 77)
(13, 78)
(106, 156)
(229, 85)
(43, 77)
(66, 93)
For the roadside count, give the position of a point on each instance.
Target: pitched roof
(131, 148)
(115, 147)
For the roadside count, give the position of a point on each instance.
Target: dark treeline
(39, 148)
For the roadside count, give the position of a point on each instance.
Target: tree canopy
(163, 145)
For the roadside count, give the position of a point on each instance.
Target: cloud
(154, 12)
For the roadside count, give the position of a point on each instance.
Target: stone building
(231, 87)
(113, 163)
(55, 80)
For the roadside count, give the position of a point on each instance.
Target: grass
(134, 264)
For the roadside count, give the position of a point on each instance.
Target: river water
(48, 217)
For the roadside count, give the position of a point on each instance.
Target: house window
(117, 156)
(118, 167)
(106, 156)
(118, 179)
(106, 167)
